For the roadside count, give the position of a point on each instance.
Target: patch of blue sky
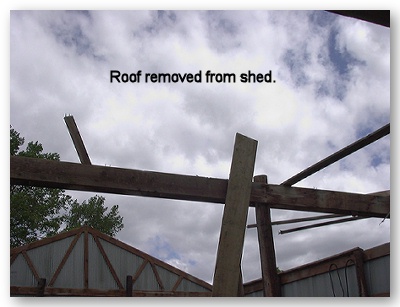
(341, 59)
(376, 160)
(162, 250)
(371, 125)
(160, 20)
(73, 36)
(222, 32)
(295, 61)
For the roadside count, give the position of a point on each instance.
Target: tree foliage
(93, 213)
(37, 212)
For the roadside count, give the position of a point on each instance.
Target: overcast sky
(332, 87)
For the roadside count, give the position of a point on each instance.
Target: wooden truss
(237, 193)
(79, 251)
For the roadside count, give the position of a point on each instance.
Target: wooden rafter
(75, 176)
(77, 140)
(370, 138)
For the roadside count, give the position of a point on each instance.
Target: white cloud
(61, 62)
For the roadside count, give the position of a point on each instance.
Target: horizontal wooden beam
(103, 179)
(314, 200)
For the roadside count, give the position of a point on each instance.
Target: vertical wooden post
(240, 291)
(129, 284)
(41, 286)
(230, 246)
(362, 282)
(270, 278)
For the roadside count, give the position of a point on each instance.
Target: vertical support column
(270, 278)
(129, 284)
(230, 246)
(362, 282)
(240, 291)
(41, 287)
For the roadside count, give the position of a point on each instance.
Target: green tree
(37, 212)
(93, 213)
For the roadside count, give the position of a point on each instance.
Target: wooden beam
(41, 287)
(379, 17)
(339, 221)
(360, 272)
(314, 200)
(370, 138)
(271, 282)
(230, 246)
(300, 220)
(103, 179)
(77, 139)
(128, 288)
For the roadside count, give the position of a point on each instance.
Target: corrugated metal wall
(327, 284)
(123, 260)
(20, 273)
(377, 272)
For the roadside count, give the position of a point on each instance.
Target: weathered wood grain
(103, 179)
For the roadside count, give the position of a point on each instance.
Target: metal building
(355, 272)
(85, 262)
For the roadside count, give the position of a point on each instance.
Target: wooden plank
(158, 278)
(41, 287)
(360, 272)
(103, 179)
(64, 259)
(230, 246)
(94, 178)
(108, 262)
(30, 265)
(240, 291)
(129, 285)
(271, 282)
(139, 271)
(304, 199)
(377, 252)
(348, 219)
(379, 17)
(370, 138)
(170, 294)
(300, 220)
(77, 140)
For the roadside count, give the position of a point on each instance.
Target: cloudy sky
(332, 87)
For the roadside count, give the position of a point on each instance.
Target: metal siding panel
(20, 273)
(255, 294)
(124, 262)
(71, 275)
(100, 276)
(168, 278)
(147, 280)
(47, 258)
(321, 285)
(377, 273)
(189, 286)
